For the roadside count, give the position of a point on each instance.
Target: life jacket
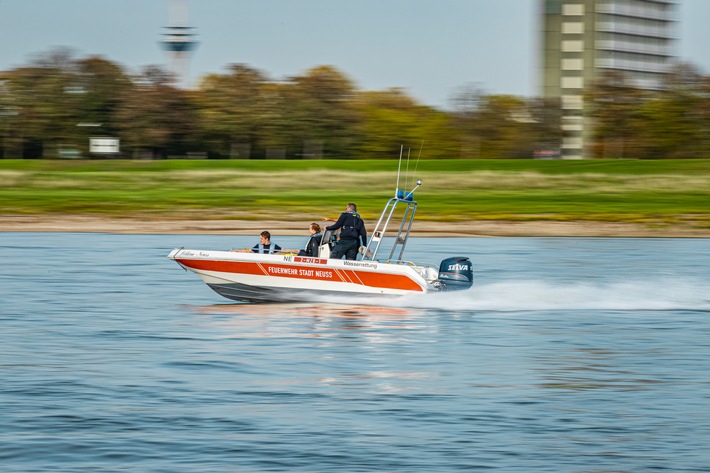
(311, 248)
(314, 243)
(351, 225)
(269, 251)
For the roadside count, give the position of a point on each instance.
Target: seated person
(264, 246)
(311, 248)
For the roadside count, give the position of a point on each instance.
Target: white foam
(534, 295)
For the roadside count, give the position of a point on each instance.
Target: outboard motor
(456, 273)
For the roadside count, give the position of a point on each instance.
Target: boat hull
(255, 277)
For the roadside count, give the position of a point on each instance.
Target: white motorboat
(254, 277)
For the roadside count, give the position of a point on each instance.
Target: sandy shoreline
(217, 226)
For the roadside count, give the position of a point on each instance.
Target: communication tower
(178, 40)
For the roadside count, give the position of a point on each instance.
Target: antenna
(406, 172)
(410, 194)
(421, 147)
(401, 148)
(420, 155)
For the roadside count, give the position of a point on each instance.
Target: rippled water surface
(568, 355)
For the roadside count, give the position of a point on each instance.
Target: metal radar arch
(409, 205)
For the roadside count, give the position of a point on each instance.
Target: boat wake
(532, 295)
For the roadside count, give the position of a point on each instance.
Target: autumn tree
(156, 119)
(319, 115)
(41, 104)
(392, 119)
(615, 103)
(674, 122)
(234, 109)
(46, 103)
(101, 84)
(496, 126)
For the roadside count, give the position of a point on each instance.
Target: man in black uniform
(351, 233)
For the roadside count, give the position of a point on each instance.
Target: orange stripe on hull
(392, 281)
(224, 266)
(364, 278)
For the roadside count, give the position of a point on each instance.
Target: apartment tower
(582, 38)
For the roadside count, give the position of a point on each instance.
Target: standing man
(351, 233)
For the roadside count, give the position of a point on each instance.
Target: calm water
(568, 355)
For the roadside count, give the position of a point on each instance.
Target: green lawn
(608, 190)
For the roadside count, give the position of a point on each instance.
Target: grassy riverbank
(655, 193)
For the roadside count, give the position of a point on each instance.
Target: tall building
(581, 38)
(179, 40)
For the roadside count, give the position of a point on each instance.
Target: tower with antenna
(179, 41)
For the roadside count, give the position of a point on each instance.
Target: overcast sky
(430, 48)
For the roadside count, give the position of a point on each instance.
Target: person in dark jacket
(352, 233)
(311, 248)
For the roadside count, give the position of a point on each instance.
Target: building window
(573, 28)
(573, 10)
(569, 46)
(572, 65)
(572, 83)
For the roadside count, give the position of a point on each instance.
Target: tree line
(53, 105)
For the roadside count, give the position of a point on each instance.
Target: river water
(567, 355)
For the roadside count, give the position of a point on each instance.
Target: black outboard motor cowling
(456, 273)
